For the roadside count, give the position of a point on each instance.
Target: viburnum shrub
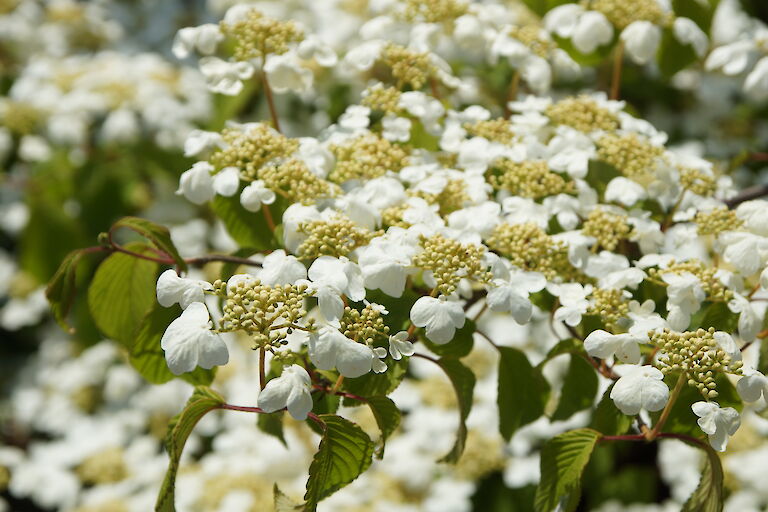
(430, 205)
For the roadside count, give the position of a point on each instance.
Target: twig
(747, 194)
(270, 101)
(618, 58)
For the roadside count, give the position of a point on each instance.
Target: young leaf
(608, 419)
(202, 401)
(523, 392)
(61, 288)
(121, 293)
(563, 459)
(460, 346)
(249, 229)
(155, 233)
(387, 418)
(345, 451)
(579, 389)
(708, 496)
(463, 381)
(148, 358)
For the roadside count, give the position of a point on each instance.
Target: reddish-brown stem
(268, 217)
(618, 58)
(270, 102)
(340, 393)
(663, 435)
(262, 364)
(242, 408)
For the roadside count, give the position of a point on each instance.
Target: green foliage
(599, 174)
(463, 381)
(563, 459)
(272, 424)
(460, 346)
(673, 55)
(61, 288)
(248, 229)
(579, 389)
(523, 391)
(155, 233)
(148, 358)
(700, 12)
(387, 418)
(597, 57)
(202, 401)
(717, 315)
(376, 384)
(608, 419)
(708, 496)
(566, 346)
(492, 495)
(345, 451)
(122, 292)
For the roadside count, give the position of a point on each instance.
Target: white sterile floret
(400, 346)
(377, 363)
(640, 387)
(510, 289)
(573, 301)
(202, 39)
(225, 77)
(196, 184)
(201, 141)
(688, 32)
(172, 289)
(286, 73)
(603, 344)
(624, 191)
(644, 319)
(750, 321)
(329, 279)
(227, 181)
(684, 297)
(752, 386)
(189, 342)
(385, 263)
(255, 195)
(396, 128)
(592, 30)
(745, 251)
(329, 349)
(440, 316)
(281, 268)
(732, 58)
(641, 40)
(313, 47)
(756, 83)
(728, 344)
(718, 423)
(291, 389)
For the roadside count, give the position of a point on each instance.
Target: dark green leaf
(460, 346)
(595, 58)
(563, 459)
(202, 401)
(376, 384)
(717, 315)
(387, 418)
(249, 229)
(579, 389)
(155, 233)
(463, 381)
(522, 391)
(121, 293)
(272, 424)
(673, 55)
(345, 451)
(566, 346)
(61, 288)
(608, 419)
(700, 12)
(709, 495)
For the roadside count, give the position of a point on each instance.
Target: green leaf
(673, 55)
(61, 288)
(148, 358)
(563, 459)
(709, 495)
(345, 451)
(283, 503)
(523, 392)
(579, 389)
(566, 346)
(121, 293)
(202, 401)
(696, 11)
(460, 346)
(376, 384)
(155, 233)
(387, 418)
(248, 229)
(272, 424)
(595, 58)
(599, 174)
(463, 381)
(717, 315)
(608, 419)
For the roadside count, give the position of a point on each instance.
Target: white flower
(201, 141)
(286, 73)
(731, 58)
(756, 83)
(728, 344)
(202, 39)
(330, 279)
(644, 318)
(641, 40)
(396, 128)
(227, 181)
(440, 316)
(196, 184)
(189, 341)
(752, 385)
(172, 289)
(313, 47)
(225, 77)
(573, 301)
(624, 191)
(640, 387)
(281, 268)
(603, 344)
(399, 345)
(355, 117)
(684, 297)
(328, 349)
(764, 279)
(384, 263)
(377, 365)
(592, 30)
(717, 423)
(743, 250)
(256, 194)
(688, 32)
(291, 389)
(510, 290)
(749, 320)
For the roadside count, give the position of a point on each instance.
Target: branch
(747, 194)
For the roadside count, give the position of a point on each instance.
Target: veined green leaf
(460, 346)
(708, 496)
(155, 233)
(579, 389)
(608, 419)
(249, 229)
(387, 418)
(61, 288)
(523, 392)
(376, 384)
(463, 381)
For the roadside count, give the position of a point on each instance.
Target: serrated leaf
(463, 381)
(608, 419)
(563, 459)
(121, 293)
(460, 346)
(159, 235)
(579, 389)
(345, 451)
(248, 229)
(709, 495)
(522, 392)
(387, 418)
(147, 356)
(60, 291)
(376, 384)
(202, 401)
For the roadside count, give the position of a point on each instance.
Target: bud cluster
(582, 113)
(293, 180)
(366, 157)
(607, 227)
(716, 221)
(632, 155)
(530, 178)
(496, 130)
(531, 36)
(249, 150)
(257, 36)
(612, 305)
(409, 68)
(449, 261)
(710, 283)
(364, 326)
(453, 196)
(382, 98)
(434, 11)
(336, 237)
(697, 181)
(621, 13)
